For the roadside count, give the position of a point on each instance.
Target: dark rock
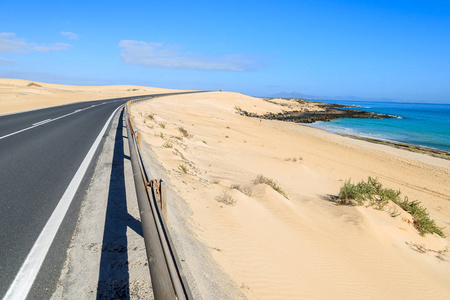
(331, 112)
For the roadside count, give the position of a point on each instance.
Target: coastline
(404, 146)
(325, 112)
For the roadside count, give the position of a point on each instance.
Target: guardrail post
(163, 199)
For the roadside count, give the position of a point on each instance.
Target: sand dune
(20, 95)
(303, 247)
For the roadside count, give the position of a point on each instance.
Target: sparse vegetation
(204, 142)
(225, 198)
(34, 84)
(270, 182)
(184, 132)
(161, 135)
(167, 145)
(238, 109)
(373, 192)
(183, 168)
(177, 152)
(151, 117)
(162, 125)
(243, 189)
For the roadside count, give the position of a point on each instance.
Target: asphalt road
(40, 152)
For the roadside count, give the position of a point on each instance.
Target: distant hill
(315, 97)
(294, 95)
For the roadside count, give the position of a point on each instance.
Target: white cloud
(70, 35)
(52, 47)
(9, 43)
(4, 61)
(157, 55)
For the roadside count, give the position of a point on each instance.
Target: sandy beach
(21, 95)
(297, 244)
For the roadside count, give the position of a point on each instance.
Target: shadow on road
(114, 276)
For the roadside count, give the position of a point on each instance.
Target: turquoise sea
(422, 124)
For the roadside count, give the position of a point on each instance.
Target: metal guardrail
(167, 276)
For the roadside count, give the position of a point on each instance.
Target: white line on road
(23, 282)
(41, 122)
(44, 122)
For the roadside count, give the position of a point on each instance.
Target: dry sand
(304, 247)
(20, 95)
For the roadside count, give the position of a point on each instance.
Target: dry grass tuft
(225, 198)
(270, 182)
(34, 84)
(246, 190)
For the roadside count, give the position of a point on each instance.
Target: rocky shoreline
(412, 148)
(327, 113)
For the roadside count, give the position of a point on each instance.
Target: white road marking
(41, 122)
(23, 282)
(45, 122)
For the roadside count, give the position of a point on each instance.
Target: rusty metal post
(163, 198)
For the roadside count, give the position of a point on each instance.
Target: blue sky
(369, 49)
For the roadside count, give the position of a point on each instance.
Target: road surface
(41, 153)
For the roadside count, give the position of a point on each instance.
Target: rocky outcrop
(328, 112)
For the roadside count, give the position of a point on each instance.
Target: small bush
(422, 221)
(270, 182)
(238, 109)
(151, 117)
(183, 168)
(184, 132)
(243, 189)
(161, 135)
(34, 84)
(162, 125)
(167, 145)
(373, 192)
(225, 198)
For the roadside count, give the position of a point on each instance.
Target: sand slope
(19, 95)
(304, 246)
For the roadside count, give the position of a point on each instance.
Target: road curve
(40, 152)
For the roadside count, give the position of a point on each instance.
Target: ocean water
(421, 124)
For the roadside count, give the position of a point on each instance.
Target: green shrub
(373, 193)
(183, 168)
